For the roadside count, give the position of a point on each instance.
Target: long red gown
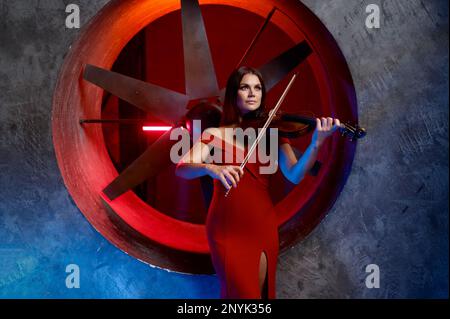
(239, 228)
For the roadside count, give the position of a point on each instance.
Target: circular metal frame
(128, 222)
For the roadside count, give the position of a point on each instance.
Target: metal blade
(167, 105)
(276, 69)
(256, 37)
(201, 81)
(149, 164)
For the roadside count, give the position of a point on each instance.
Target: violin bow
(266, 125)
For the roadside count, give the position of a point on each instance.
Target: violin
(287, 124)
(291, 125)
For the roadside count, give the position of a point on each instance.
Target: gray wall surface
(393, 211)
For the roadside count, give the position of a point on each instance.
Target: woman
(242, 227)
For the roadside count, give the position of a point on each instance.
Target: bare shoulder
(216, 131)
(211, 133)
(219, 132)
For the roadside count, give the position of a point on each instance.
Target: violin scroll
(353, 132)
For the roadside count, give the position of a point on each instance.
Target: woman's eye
(246, 87)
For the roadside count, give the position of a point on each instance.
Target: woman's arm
(192, 166)
(294, 170)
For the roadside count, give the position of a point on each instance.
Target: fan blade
(201, 81)
(276, 69)
(166, 105)
(256, 38)
(150, 163)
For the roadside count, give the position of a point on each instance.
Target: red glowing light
(156, 128)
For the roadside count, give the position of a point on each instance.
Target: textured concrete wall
(393, 211)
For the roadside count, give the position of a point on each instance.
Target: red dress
(240, 227)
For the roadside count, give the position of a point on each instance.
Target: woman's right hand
(226, 174)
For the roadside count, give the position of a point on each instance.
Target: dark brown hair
(231, 113)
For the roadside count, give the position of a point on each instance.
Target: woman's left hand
(324, 128)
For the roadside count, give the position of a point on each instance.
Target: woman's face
(249, 93)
